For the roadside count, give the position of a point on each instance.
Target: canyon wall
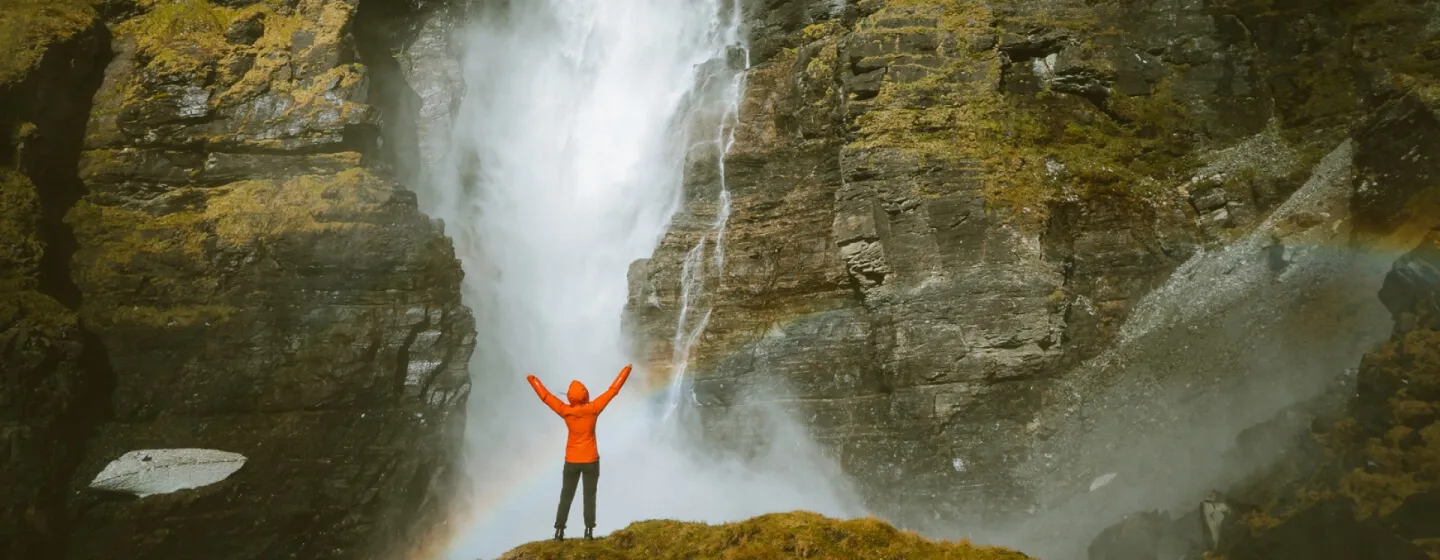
(946, 218)
(208, 252)
(1022, 267)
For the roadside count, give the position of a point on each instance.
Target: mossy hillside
(1031, 151)
(778, 535)
(167, 267)
(29, 27)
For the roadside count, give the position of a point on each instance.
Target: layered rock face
(252, 282)
(942, 213)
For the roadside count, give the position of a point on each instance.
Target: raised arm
(604, 399)
(544, 394)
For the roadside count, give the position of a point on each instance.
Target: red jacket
(580, 415)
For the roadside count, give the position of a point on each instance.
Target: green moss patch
(162, 268)
(20, 252)
(28, 27)
(20, 249)
(1030, 151)
(295, 55)
(778, 535)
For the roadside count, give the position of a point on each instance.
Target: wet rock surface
(245, 279)
(942, 215)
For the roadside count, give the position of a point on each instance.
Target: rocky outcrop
(775, 535)
(943, 213)
(256, 288)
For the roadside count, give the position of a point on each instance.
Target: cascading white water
(564, 166)
(692, 274)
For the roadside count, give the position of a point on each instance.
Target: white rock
(147, 472)
(1102, 480)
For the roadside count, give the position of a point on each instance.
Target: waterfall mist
(1232, 341)
(565, 165)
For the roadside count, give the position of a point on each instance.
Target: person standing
(582, 457)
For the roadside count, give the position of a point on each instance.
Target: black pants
(573, 473)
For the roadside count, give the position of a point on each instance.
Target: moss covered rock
(259, 289)
(940, 210)
(29, 27)
(777, 535)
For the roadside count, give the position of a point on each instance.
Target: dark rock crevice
(382, 28)
(55, 101)
(59, 401)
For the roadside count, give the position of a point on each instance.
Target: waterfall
(692, 273)
(565, 164)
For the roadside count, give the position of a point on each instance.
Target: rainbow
(527, 471)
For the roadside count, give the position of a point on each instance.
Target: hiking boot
(559, 535)
(588, 535)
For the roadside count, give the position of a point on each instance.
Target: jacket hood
(578, 394)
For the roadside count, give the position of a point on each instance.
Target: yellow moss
(187, 37)
(1386, 12)
(1031, 152)
(1397, 434)
(817, 31)
(1430, 546)
(29, 27)
(21, 303)
(324, 20)
(236, 214)
(248, 210)
(820, 74)
(20, 250)
(1406, 409)
(119, 234)
(177, 316)
(1397, 465)
(128, 254)
(159, 270)
(1424, 88)
(20, 253)
(178, 36)
(1377, 494)
(779, 535)
(1259, 520)
(967, 19)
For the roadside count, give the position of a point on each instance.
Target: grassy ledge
(796, 534)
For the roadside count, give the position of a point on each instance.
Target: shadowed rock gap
(52, 106)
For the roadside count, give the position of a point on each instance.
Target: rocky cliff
(1002, 254)
(204, 251)
(1023, 267)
